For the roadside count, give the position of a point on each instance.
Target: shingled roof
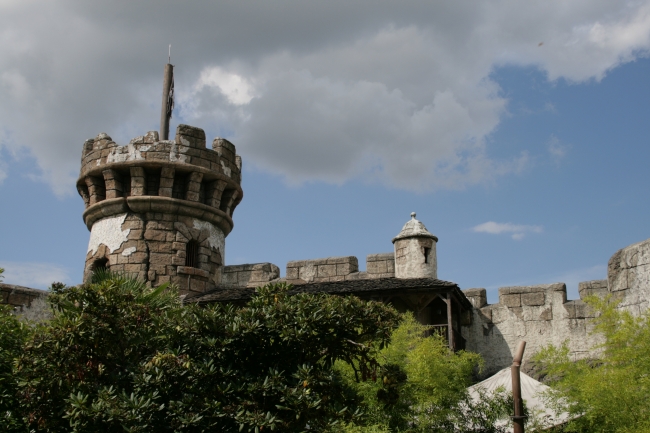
(364, 287)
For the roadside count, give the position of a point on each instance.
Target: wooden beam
(450, 327)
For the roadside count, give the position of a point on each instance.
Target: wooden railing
(442, 330)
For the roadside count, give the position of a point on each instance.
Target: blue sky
(519, 136)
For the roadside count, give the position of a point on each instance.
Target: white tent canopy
(531, 392)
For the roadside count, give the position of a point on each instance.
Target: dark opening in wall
(153, 181)
(225, 199)
(427, 251)
(125, 177)
(97, 188)
(100, 265)
(207, 192)
(192, 254)
(180, 185)
(202, 193)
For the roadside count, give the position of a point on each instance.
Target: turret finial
(413, 215)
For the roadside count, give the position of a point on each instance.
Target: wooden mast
(167, 99)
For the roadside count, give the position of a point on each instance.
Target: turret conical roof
(414, 229)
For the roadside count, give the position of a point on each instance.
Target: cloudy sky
(518, 131)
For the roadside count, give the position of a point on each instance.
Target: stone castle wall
(628, 277)
(542, 315)
(27, 303)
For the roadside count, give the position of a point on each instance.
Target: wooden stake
(518, 418)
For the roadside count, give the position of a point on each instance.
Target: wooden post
(518, 418)
(450, 322)
(166, 112)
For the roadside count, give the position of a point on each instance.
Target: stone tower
(415, 251)
(160, 209)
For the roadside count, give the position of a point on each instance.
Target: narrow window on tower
(192, 254)
(426, 254)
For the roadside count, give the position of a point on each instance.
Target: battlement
(177, 176)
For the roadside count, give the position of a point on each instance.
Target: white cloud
(236, 88)
(398, 93)
(517, 231)
(34, 275)
(556, 149)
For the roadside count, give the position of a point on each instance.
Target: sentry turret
(415, 251)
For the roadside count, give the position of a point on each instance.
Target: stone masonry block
(229, 278)
(343, 269)
(546, 314)
(378, 267)
(150, 137)
(510, 301)
(326, 271)
(583, 310)
(225, 148)
(595, 287)
(485, 314)
(537, 298)
(292, 274)
(155, 235)
(478, 297)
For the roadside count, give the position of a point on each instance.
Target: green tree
(13, 334)
(610, 393)
(422, 386)
(119, 356)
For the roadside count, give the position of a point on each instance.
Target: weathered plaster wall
(152, 247)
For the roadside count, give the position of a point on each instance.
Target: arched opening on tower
(100, 265)
(427, 251)
(192, 254)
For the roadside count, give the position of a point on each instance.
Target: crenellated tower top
(165, 199)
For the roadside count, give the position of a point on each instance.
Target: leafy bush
(422, 387)
(119, 356)
(611, 393)
(13, 335)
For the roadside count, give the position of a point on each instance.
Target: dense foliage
(119, 356)
(13, 334)
(611, 393)
(422, 387)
